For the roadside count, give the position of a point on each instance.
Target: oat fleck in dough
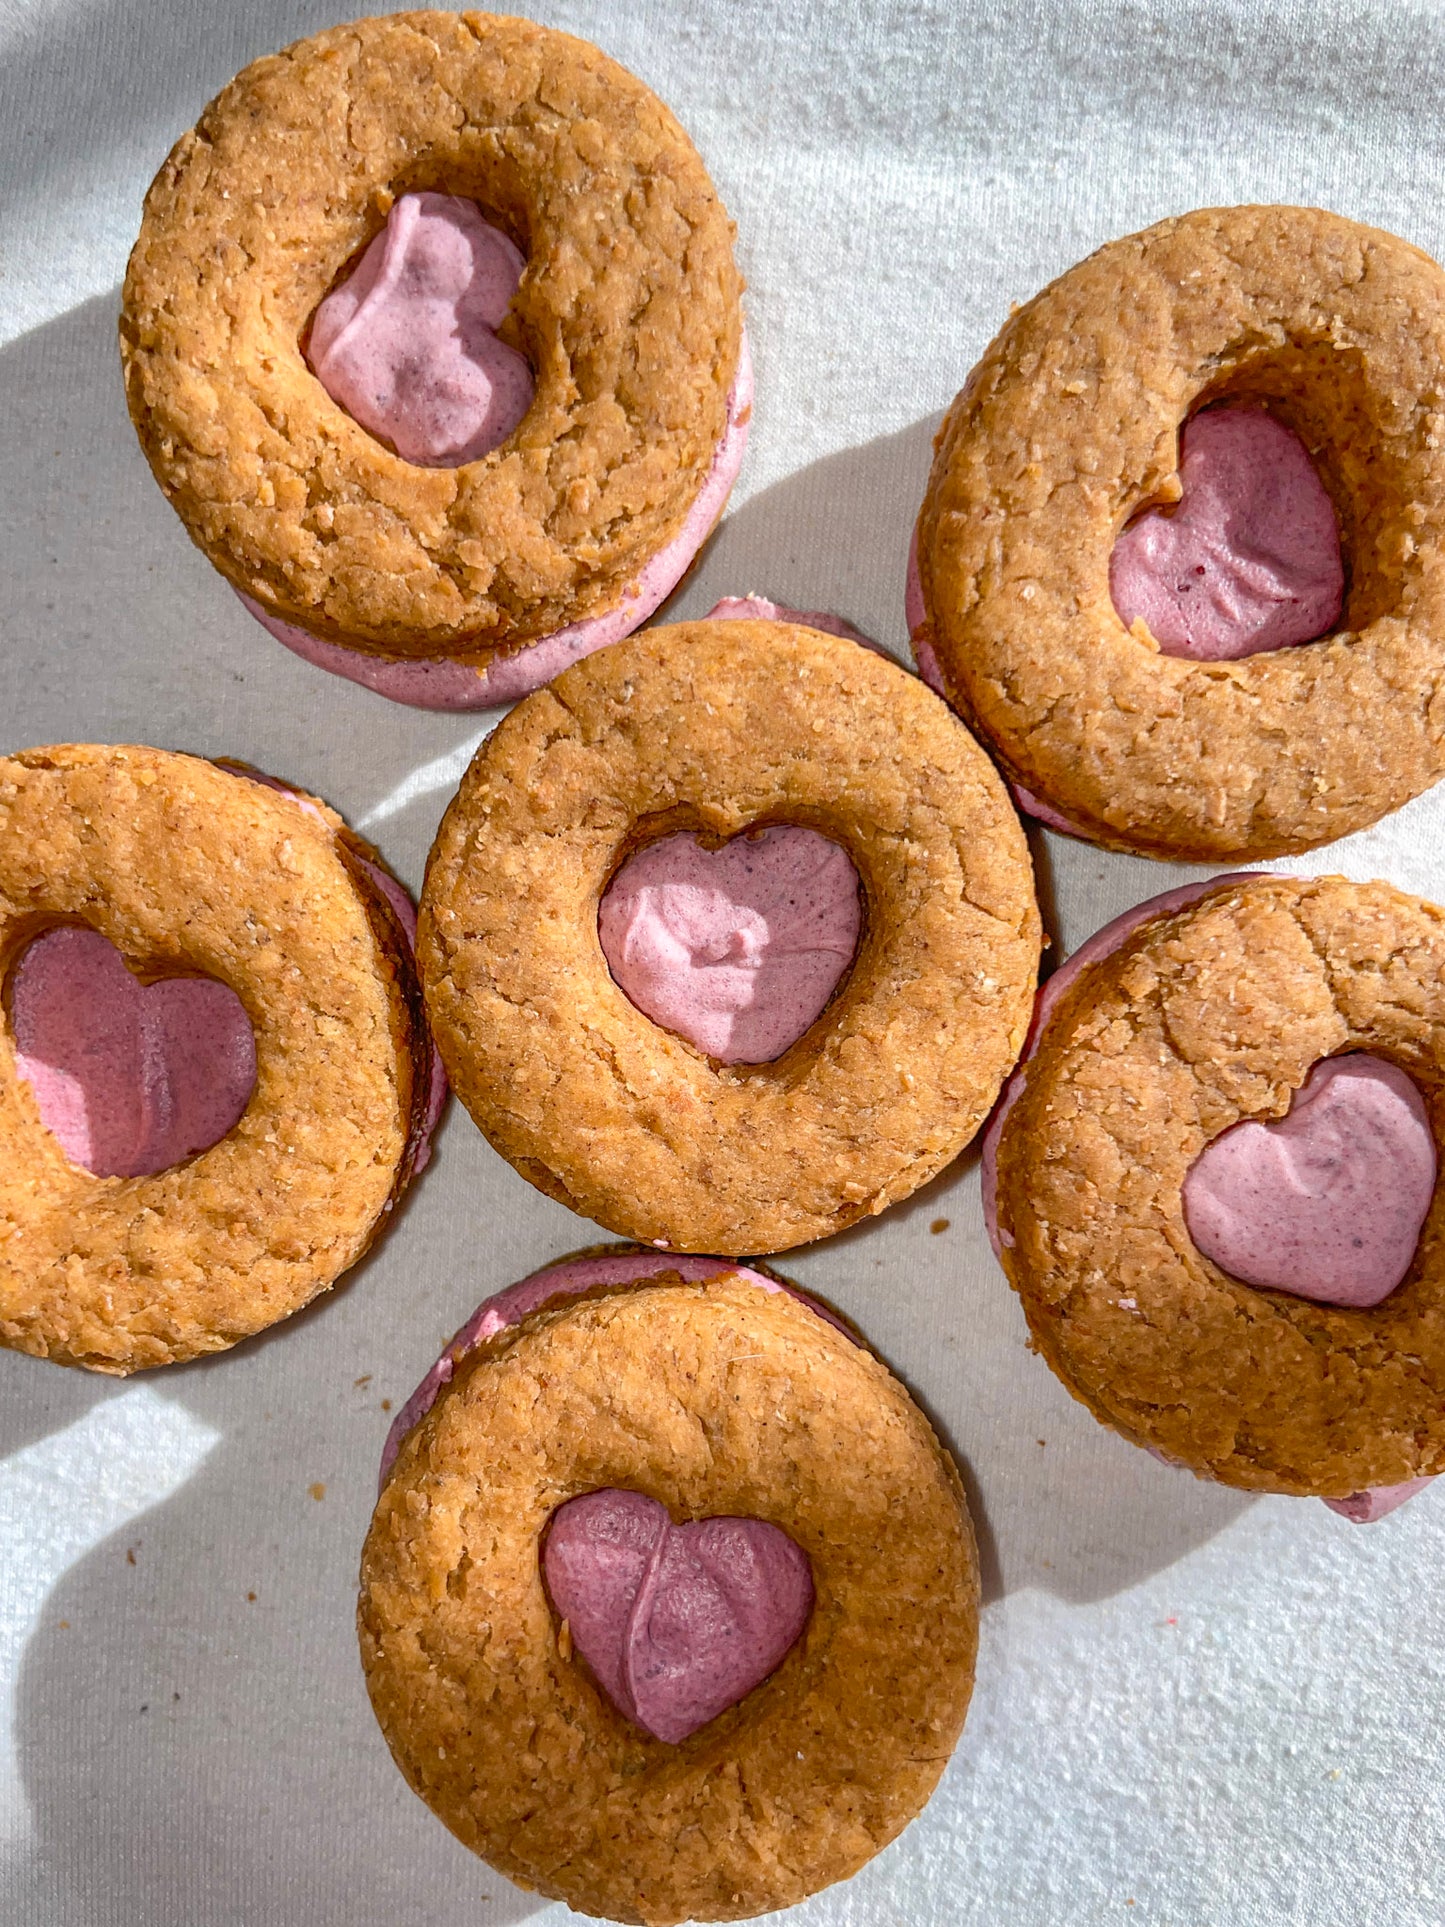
(185, 866)
(628, 312)
(715, 1399)
(716, 727)
(1202, 1017)
(1069, 425)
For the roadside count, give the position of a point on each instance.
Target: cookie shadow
(833, 536)
(191, 1726)
(117, 629)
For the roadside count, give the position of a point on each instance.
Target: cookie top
(718, 728)
(1070, 424)
(714, 1400)
(185, 868)
(1200, 1018)
(628, 312)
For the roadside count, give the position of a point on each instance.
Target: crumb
(1041, 1441)
(365, 1379)
(939, 1224)
(250, 1599)
(386, 1405)
(564, 1639)
(130, 1555)
(65, 1625)
(317, 1491)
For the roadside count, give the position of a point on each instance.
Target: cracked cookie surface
(719, 727)
(1203, 1017)
(714, 1399)
(628, 312)
(1069, 425)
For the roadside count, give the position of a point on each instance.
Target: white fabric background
(1192, 1708)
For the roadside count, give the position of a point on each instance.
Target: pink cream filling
(756, 608)
(441, 683)
(738, 949)
(407, 344)
(1328, 1201)
(677, 1622)
(1382, 1101)
(132, 1078)
(1248, 560)
(566, 1280)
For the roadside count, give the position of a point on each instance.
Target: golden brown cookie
(716, 728)
(1070, 425)
(1199, 1018)
(187, 869)
(628, 312)
(714, 1399)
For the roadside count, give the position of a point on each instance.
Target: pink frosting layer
(129, 1077)
(1361, 1507)
(407, 343)
(567, 1280)
(1326, 1202)
(405, 912)
(444, 684)
(757, 608)
(738, 949)
(1364, 1508)
(677, 1622)
(1248, 560)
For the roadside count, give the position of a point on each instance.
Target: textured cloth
(1227, 1712)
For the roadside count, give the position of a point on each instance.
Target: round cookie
(1216, 1006)
(1070, 425)
(719, 729)
(718, 1401)
(192, 873)
(627, 313)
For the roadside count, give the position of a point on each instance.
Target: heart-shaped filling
(1326, 1202)
(677, 1622)
(737, 949)
(407, 344)
(1248, 560)
(130, 1077)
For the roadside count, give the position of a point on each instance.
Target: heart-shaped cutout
(130, 1077)
(407, 343)
(738, 949)
(677, 1622)
(1326, 1202)
(1248, 560)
